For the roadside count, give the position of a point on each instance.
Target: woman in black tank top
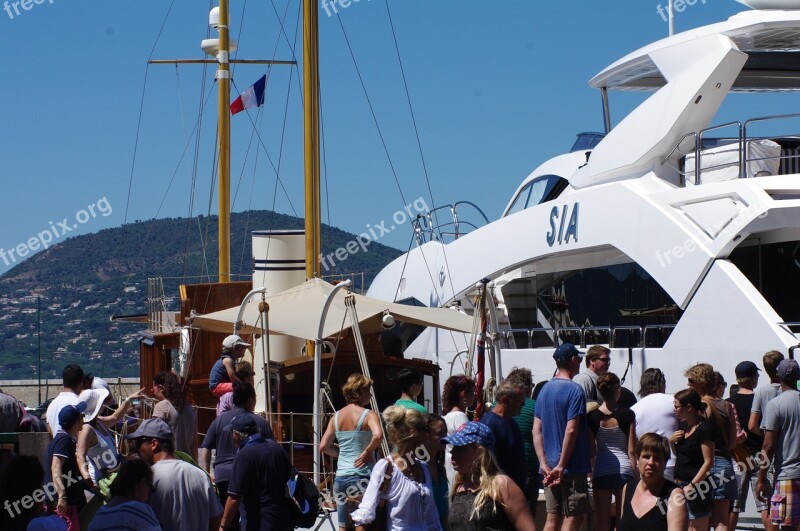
(652, 502)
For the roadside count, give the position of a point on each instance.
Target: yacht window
(538, 191)
(521, 202)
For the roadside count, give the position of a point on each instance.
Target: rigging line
(266, 152)
(211, 202)
(371, 109)
(280, 157)
(419, 142)
(324, 159)
(410, 245)
(250, 202)
(260, 117)
(283, 139)
(161, 205)
(292, 47)
(295, 65)
(195, 166)
(244, 162)
(141, 110)
(239, 36)
(338, 339)
(180, 101)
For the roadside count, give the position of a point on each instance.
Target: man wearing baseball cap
(223, 373)
(183, 497)
(781, 426)
(560, 423)
(261, 469)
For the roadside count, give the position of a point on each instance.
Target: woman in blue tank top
(358, 432)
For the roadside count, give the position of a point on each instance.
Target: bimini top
(770, 38)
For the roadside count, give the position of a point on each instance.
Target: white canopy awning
(296, 312)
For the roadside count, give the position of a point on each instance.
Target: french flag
(252, 97)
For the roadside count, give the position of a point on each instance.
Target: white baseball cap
(234, 341)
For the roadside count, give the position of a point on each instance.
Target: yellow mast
(311, 122)
(223, 132)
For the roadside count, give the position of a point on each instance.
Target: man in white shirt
(72, 378)
(655, 412)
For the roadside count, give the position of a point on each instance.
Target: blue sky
(497, 87)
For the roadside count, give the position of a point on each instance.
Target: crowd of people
(600, 456)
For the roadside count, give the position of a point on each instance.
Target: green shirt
(410, 404)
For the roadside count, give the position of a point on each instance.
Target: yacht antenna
(671, 19)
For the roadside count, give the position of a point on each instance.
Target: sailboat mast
(311, 121)
(224, 139)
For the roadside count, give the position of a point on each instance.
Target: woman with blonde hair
(407, 492)
(358, 431)
(483, 497)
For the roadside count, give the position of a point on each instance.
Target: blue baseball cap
(788, 370)
(245, 423)
(565, 351)
(68, 415)
(469, 433)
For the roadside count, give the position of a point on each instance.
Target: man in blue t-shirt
(509, 448)
(261, 469)
(560, 437)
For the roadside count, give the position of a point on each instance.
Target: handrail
(638, 328)
(648, 328)
(699, 150)
(510, 333)
(578, 329)
(425, 229)
(582, 331)
(740, 138)
(606, 329)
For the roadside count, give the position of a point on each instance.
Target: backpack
(303, 496)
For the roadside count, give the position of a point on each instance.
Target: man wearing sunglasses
(598, 360)
(183, 497)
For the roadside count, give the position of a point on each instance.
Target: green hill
(81, 282)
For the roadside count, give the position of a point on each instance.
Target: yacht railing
(649, 329)
(741, 147)
(581, 332)
(427, 227)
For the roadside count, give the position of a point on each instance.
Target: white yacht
(670, 238)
